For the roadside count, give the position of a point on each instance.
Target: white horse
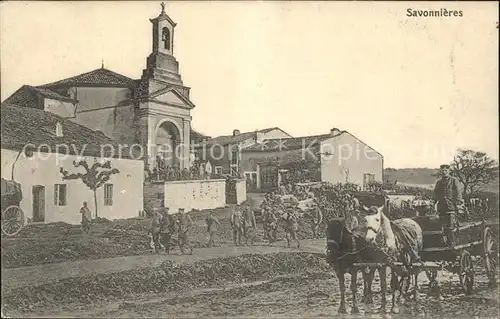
(400, 241)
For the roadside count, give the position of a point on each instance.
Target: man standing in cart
(448, 197)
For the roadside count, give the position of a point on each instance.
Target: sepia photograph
(249, 159)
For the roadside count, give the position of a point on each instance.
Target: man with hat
(156, 222)
(213, 225)
(291, 226)
(86, 218)
(167, 228)
(249, 223)
(448, 197)
(237, 224)
(317, 219)
(184, 224)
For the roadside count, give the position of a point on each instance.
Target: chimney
(236, 132)
(334, 131)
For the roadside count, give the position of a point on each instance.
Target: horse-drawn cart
(472, 240)
(12, 214)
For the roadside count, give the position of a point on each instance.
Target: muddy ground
(60, 242)
(274, 285)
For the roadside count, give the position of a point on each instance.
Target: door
(38, 203)
(268, 176)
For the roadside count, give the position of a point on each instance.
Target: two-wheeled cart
(12, 214)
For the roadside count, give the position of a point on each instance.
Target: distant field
(423, 177)
(426, 186)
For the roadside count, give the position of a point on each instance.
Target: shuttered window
(108, 194)
(60, 195)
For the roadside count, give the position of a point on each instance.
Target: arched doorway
(167, 140)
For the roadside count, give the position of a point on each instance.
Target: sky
(413, 88)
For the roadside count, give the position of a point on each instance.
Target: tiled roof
(235, 139)
(22, 126)
(27, 96)
(100, 76)
(197, 137)
(52, 95)
(287, 143)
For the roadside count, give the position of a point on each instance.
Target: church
(153, 112)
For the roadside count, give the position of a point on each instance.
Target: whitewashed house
(57, 143)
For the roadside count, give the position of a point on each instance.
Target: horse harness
(353, 241)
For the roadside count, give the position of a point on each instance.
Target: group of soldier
(274, 211)
(165, 226)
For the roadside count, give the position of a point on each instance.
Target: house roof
(235, 139)
(28, 126)
(97, 77)
(284, 144)
(197, 136)
(26, 94)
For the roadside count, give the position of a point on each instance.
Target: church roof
(23, 126)
(26, 95)
(98, 77)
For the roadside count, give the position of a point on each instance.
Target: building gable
(171, 96)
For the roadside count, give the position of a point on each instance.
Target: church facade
(153, 112)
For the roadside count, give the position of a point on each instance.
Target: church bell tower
(164, 104)
(161, 62)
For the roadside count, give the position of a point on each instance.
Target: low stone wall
(154, 195)
(195, 194)
(241, 191)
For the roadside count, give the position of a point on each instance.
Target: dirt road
(40, 274)
(311, 294)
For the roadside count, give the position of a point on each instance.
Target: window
(251, 180)
(108, 194)
(234, 170)
(59, 129)
(218, 170)
(166, 38)
(234, 157)
(268, 176)
(367, 180)
(60, 193)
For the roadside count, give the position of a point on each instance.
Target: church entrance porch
(168, 142)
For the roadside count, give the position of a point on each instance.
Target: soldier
(167, 228)
(212, 226)
(86, 218)
(448, 195)
(249, 223)
(184, 224)
(291, 226)
(317, 219)
(263, 210)
(237, 225)
(272, 226)
(156, 222)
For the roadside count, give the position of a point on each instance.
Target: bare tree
(473, 169)
(94, 176)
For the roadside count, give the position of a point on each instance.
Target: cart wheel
(431, 276)
(12, 220)
(466, 273)
(490, 255)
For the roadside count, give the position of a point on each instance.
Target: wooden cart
(12, 214)
(472, 240)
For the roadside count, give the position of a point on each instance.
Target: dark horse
(346, 245)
